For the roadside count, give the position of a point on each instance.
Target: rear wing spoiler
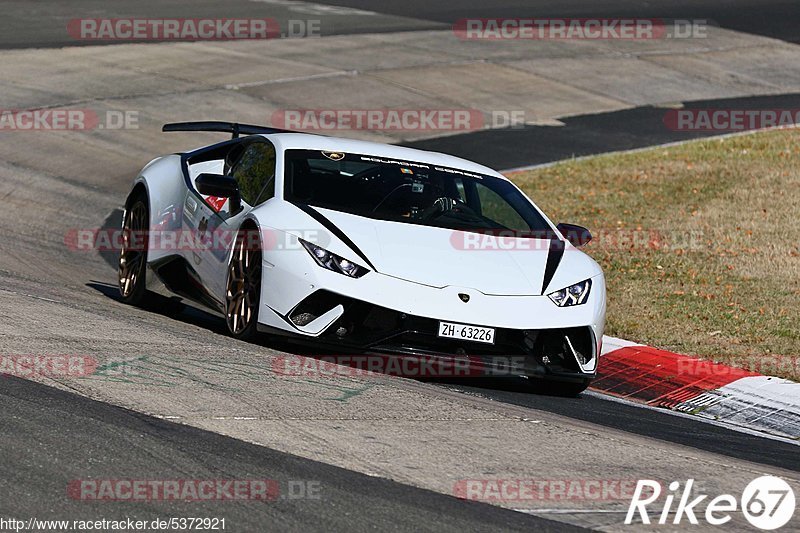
(233, 128)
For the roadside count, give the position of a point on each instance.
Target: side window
(255, 173)
(494, 207)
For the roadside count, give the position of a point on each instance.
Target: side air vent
(564, 349)
(313, 307)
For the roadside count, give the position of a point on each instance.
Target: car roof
(306, 141)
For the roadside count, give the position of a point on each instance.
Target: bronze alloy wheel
(244, 286)
(133, 253)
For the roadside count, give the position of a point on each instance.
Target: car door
(213, 222)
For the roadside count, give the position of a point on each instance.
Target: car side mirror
(576, 235)
(221, 187)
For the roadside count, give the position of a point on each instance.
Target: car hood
(441, 257)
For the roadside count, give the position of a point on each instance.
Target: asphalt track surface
(655, 423)
(44, 427)
(42, 23)
(50, 436)
(599, 133)
(772, 18)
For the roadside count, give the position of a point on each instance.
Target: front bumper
(567, 354)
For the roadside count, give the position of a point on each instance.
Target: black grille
(368, 327)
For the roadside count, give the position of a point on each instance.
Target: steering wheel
(443, 204)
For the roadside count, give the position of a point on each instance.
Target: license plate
(466, 333)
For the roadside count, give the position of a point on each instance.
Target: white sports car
(362, 246)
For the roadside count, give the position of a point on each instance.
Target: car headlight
(331, 261)
(573, 295)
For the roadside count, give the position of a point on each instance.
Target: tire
(243, 286)
(132, 270)
(559, 388)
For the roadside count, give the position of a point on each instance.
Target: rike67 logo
(767, 502)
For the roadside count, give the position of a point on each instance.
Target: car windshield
(410, 192)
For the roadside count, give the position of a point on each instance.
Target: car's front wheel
(559, 388)
(243, 291)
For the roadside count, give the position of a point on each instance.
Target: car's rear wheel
(243, 291)
(132, 269)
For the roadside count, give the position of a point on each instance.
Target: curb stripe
(699, 387)
(661, 378)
